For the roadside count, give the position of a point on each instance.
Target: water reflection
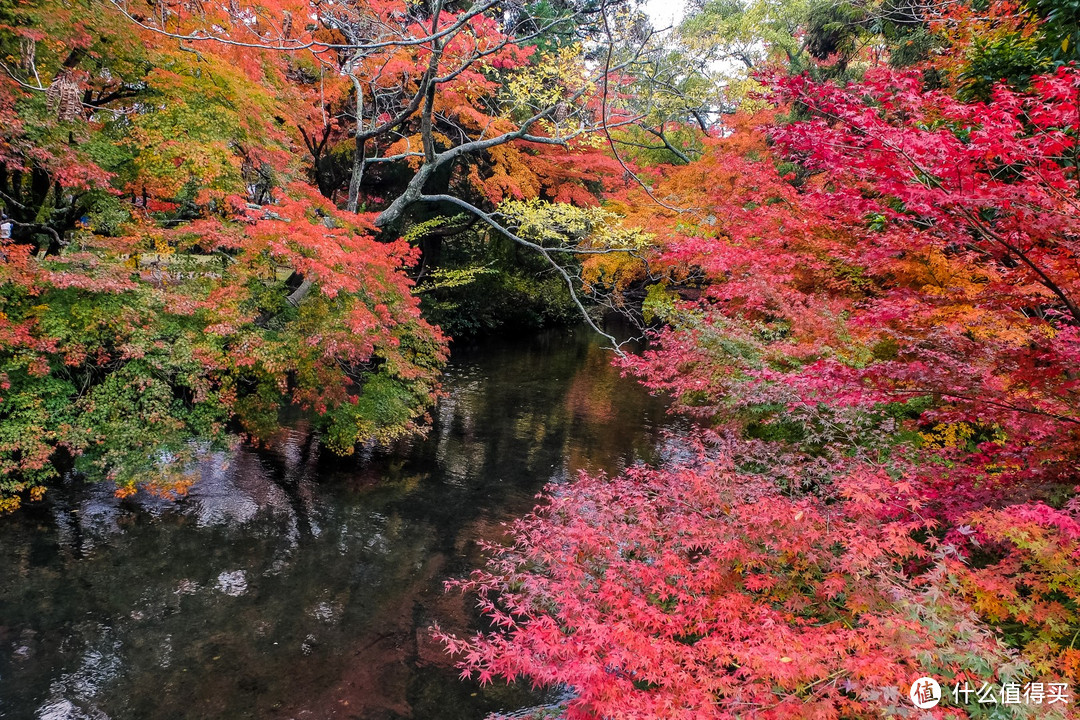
(289, 584)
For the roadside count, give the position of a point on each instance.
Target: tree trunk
(358, 153)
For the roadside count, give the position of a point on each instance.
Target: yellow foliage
(585, 229)
(949, 435)
(546, 82)
(13, 501)
(956, 279)
(511, 176)
(590, 227)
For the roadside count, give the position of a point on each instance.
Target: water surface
(290, 584)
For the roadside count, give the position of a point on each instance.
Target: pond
(292, 584)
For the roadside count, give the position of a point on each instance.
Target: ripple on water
(289, 584)
(232, 583)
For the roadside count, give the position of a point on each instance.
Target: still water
(290, 584)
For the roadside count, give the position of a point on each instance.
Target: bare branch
(493, 223)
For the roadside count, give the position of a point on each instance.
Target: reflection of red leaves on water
(172, 488)
(375, 675)
(589, 395)
(374, 680)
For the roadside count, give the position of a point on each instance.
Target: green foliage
(171, 280)
(126, 422)
(659, 304)
(558, 19)
(910, 45)
(1059, 31)
(487, 283)
(644, 148)
(510, 300)
(746, 31)
(32, 410)
(447, 278)
(565, 225)
(833, 29)
(381, 412)
(1013, 58)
